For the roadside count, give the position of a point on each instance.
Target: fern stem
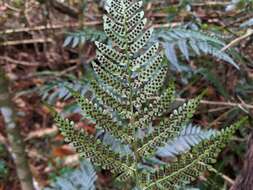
(132, 119)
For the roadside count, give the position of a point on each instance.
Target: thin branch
(238, 40)
(216, 103)
(29, 41)
(211, 3)
(48, 27)
(17, 62)
(225, 177)
(167, 25)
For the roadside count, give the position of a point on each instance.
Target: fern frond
(160, 105)
(150, 70)
(187, 40)
(181, 115)
(191, 164)
(108, 99)
(144, 58)
(134, 7)
(139, 44)
(137, 31)
(81, 178)
(163, 103)
(111, 67)
(79, 37)
(111, 53)
(156, 83)
(169, 128)
(156, 108)
(119, 41)
(120, 87)
(127, 106)
(89, 147)
(135, 20)
(190, 136)
(102, 118)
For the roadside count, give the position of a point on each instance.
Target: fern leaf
(111, 53)
(135, 19)
(184, 49)
(149, 71)
(169, 128)
(190, 136)
(119, 41)
(111, 67)
(171, 55)
(155, 109)
(115, 15)
(181, 115)
(144, 58)
(89, 147)
(191, 164)
(133, 9)
(163, 104)
(127, 106)
(116, 6)
(103, 119)
(83, 177)
(141, 41)
(120, 87)
(156, 83)
(115, 27)
(137, 31)
(108, 99)
(199, 42)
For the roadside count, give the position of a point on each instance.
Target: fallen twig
(167, 25)
(17, 62)
(211, 3)
(29, 41)
(237, 40)
(49, 27)
(216, 103)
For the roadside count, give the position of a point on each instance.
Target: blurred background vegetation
(45, 44)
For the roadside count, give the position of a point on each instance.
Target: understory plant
(132, 102)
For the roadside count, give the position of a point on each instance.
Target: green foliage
(191, 164)
(189, 43)
(4, 170)
(214, 80)
(82, 178)
(190, 136)
(74, 39)
(130, 103)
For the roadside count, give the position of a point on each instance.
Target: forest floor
(32, 55)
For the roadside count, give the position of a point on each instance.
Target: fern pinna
(130, 104)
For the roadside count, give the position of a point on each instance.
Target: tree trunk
(245, 180)
(13, 133)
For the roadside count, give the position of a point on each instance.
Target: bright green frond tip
(131, 104)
